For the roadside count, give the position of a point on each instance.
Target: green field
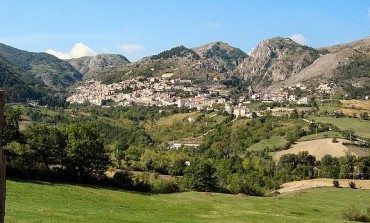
(272, 143)
(321, 135)
(361, 127)
(46, 202)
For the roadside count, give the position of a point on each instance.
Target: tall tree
(48, 143)
(86, 155)
(200, 176)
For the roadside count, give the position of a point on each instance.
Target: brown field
(356, 104)
(317, 148)
(314, 183)
(350, 107)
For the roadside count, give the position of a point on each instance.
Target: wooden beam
(2, 161)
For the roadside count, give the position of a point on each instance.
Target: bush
(336, 183)
(165, 186)
(355, 214)
(123, 179)
(352, 185)
(335, 140)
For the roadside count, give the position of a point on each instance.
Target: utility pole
(2, 161)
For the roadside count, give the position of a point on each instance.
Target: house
(241, 111)
(303, 101)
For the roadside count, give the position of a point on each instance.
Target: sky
(139, 28)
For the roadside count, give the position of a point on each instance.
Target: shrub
(123, 179)
(165, 186)
(354, 214)
(336, 183)
(335, 140)
(352, 185)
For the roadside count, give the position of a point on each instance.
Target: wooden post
(2, 161)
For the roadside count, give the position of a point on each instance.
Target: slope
(54, 72)
(91, 66)
(18, 85)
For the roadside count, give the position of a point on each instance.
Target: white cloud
(58, 54)
(81, 50)
(130, 48)
(78, 50)
(299, 38)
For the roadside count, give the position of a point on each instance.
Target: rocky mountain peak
(89, 66)
(274, 60)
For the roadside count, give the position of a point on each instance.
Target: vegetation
(17, 83)
(361, 128)
(37, 201)
(59, 73)
(358, 68)
(86, 140)
(353, 213)
(180, 51)
(232, 57)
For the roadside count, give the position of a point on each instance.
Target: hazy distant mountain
(54, 72)
(91, 66)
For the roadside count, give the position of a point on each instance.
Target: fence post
(2, 161)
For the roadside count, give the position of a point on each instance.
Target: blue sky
(139, 28)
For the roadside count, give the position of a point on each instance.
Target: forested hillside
(55, 73)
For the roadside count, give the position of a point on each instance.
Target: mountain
(274, 61)
(54, 72)
(91, 66)
(280, 62)
(18, 84)
(214, 60)
(220, 56)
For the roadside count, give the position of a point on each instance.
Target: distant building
(241, 111)
(303, 101)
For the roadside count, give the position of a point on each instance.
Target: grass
(348, 107)
(361, 127)
(359, 151)
(272, 143)
(176, 117)
(321, 135)
(30, 201)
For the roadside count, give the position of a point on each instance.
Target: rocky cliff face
(220, 56)
(274, 61)
(91, 66)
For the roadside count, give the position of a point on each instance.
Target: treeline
(80, 149)
(357, 69)
(179, 51)
(74, 151)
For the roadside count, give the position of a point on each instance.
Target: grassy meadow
(361, 127)
(271, 143)
(33, 201)
(321, 135)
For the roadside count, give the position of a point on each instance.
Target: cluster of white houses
(162, 92)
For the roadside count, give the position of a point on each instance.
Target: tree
(294, 114)
(86, 155)
(200, 176)
(48, 143)
(11, 125)
(329, 166)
